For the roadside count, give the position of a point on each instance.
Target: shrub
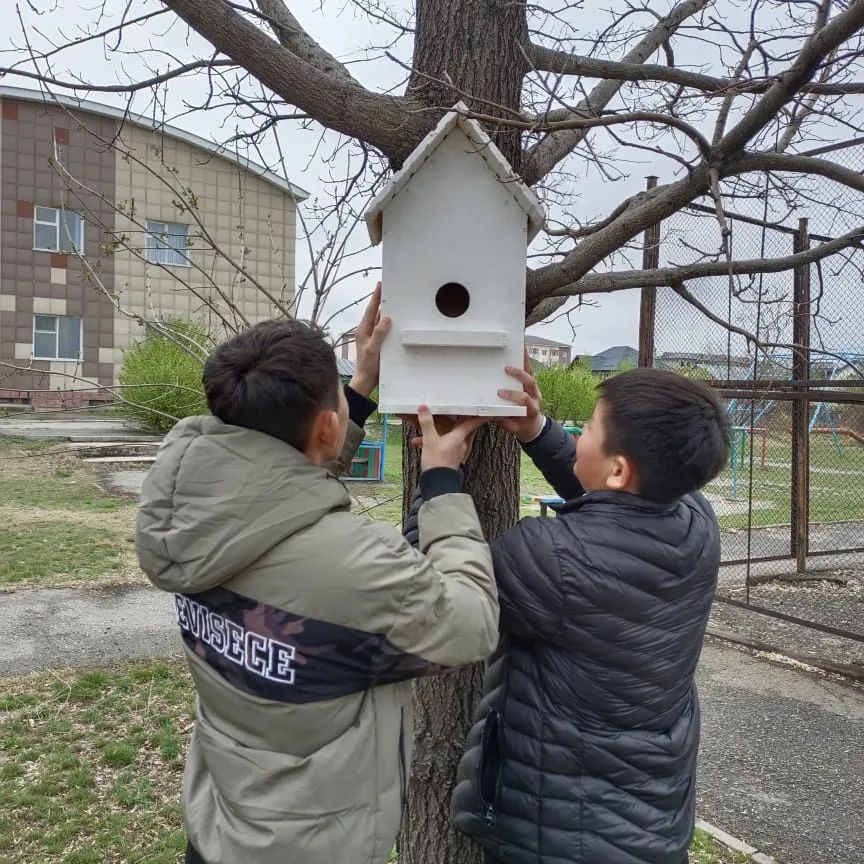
(160, 380)
(568, 394)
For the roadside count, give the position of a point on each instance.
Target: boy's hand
(371, 333)
(525, 428)
(449, 449)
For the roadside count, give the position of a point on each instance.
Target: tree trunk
(444, 705)
(482, 62)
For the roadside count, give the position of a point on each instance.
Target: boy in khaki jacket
(303, 624)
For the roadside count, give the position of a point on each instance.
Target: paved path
(782, 758)
(68, 627)
(782, 763)
(69, 427)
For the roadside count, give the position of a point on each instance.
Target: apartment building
(107, 220)
(548, 351)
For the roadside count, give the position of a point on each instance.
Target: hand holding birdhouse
(371, 332)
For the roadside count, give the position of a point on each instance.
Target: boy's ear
(324, 432)
(622, 477)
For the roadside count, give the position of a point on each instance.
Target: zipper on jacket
(489, 817)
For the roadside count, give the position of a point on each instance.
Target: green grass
(43, 553)
(59, 528)
(32, 475)
(91, 766)
(836, 484)
(706, 850)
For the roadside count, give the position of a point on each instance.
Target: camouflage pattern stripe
(274, 654)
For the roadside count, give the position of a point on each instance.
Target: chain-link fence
(786, 352)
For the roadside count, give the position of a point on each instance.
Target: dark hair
(673, 429)
(274, 377)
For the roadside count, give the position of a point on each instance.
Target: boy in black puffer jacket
(584, 750)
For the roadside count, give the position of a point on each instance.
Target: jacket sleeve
(411, 528)
(554, 454)
(359, 410)
(528, 575)
(448, 610)
(438, 481)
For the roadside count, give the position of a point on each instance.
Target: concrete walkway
(52, 627)
(69, 427)
(782, 760)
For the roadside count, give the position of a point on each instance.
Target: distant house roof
(546, 343)
(122, 116)
(612, 358)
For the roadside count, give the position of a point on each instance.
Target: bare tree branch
(607, 283)
(293, 37)
(819, 46)
(130, 87)
(393, 124)
(649, 208)
(562, 63)
(544, 156)
(796, 164)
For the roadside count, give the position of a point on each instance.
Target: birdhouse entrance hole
(453, 300)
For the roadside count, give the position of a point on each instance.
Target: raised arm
(548, 446)
(553, 451)
(371, 332)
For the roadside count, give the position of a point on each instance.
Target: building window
(57, 230)
(167, 244)
(56, 337)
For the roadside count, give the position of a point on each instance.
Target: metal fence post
(801, 407)
(648, 304)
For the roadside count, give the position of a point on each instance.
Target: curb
(734, 843)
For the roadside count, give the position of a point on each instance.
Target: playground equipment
(553, 501)
(368, 465)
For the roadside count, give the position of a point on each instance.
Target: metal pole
(648, 305)
(801, 406)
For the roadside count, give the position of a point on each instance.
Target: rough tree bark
(481, 60)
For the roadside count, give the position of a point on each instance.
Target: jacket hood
(218, 497)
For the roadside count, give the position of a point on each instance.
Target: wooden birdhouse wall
(454, 223)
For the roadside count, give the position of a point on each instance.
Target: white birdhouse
(455, 224)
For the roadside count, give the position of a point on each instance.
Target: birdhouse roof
(492, 157)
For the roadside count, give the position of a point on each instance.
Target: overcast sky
(614, 318)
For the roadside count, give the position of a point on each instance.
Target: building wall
(348, 346)
(152, 176)
(237, 220)
(549, 354)
(36, 282)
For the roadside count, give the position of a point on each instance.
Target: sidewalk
(782, 760)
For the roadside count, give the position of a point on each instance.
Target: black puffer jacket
(584, 751)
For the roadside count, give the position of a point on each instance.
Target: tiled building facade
(104, 220)
(547, 351)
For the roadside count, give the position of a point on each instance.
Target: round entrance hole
(453, 300)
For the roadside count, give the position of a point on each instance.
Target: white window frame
(56, 224)
(164, 230)
(56, 334)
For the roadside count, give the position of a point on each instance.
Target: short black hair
(274, 377)
(673, 429)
